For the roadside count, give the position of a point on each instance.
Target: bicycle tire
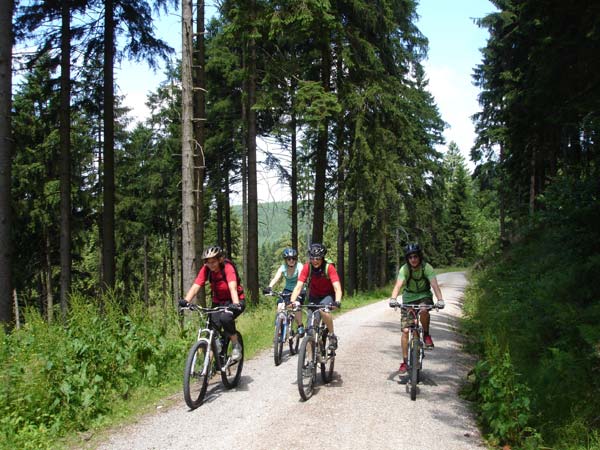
(294, 339)
(414, 368)
(294, 343)
(278, 339)
(307, 370)
(328, 365)
(231, 375)
(196, 375)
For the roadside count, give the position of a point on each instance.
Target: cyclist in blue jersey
(290, 269)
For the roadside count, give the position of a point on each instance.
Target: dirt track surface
(364, 407)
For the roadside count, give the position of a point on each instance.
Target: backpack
(325, 271)
(427, 286)
(240, 288)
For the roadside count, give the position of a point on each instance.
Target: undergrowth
(533, 316)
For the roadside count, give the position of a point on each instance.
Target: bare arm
(276, 277)
(397, 288)
(436, 288)
(233, 292)
(337, 287)
(191, 293)
(296, 291)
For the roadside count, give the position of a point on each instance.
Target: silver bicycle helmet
(317, 251)
(212, 252)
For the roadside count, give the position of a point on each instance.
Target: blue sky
(454, 43)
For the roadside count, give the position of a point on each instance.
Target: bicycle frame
(416, 345)
(284, 331)
(205, 358)
(314, 344)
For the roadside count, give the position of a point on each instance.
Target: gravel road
(364, 407)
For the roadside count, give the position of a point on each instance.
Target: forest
(102, 219)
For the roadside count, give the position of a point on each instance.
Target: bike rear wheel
(198, 368)
(329, 358)
(307, 370)
(230, 375)
(278, 338)
(414, 368)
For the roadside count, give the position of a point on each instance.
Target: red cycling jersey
(218, 285)
(320, 285)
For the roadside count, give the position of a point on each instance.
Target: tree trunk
(146, 290)
(6, 143)
(339, 141)
(65, 160)
(188, 224)
(48, 279)
(351, 279)
(227, 208)
(321, 154)
(532, 184)
(108, 174)
(244, 170)
(108, 211)
(199, 132)
(252, 268)
(294, 163)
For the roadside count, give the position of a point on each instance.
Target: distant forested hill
(274, 221)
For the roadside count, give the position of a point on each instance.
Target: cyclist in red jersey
(324, 287)
(226, 291)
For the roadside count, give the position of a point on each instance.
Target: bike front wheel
(198, 367)
(278, 338)
(293, 337)
(328, 356)
(414, 368)
(307, 370)
(231, 371)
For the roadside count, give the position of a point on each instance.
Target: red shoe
(403, 368)
(428, 342)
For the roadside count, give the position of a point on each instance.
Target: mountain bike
(209, 355)
(416, 345)
(314, 351)
(286, 329)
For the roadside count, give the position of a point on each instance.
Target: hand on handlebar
(336, 305)
(268, 290)
(234, 307)
(440, 304)
(183, 303)
(394, 303)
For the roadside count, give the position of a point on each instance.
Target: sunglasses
(316, 258)
(291, 258)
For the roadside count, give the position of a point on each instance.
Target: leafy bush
(539, 299)
(58, 378)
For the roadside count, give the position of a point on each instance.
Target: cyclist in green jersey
(290, 270)
(415, 280)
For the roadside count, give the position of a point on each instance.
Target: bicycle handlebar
(324, 308)
(412, 306)
(212, 310)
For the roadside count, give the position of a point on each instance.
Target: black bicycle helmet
(212, 252)
(317, 251)
(412, 249)
(289, 253)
